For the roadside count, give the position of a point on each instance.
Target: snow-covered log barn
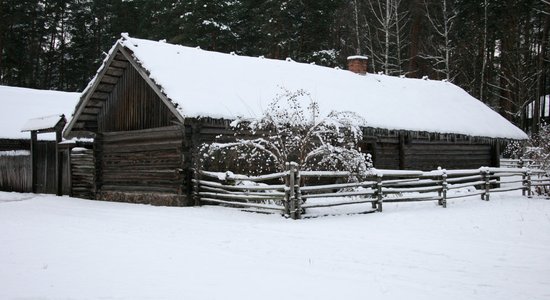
(152, 103)
(31, 122)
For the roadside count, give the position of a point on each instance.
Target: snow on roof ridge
(221, 85)
(358, 57)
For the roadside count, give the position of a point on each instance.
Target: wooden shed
(152, 104)
(31, 122)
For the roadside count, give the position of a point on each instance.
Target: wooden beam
(401, 151)
(91, 110)
(495, 155)
(105, 87)
(109, 79)
(100, 95)
(119, 64)
(115, 72)
(33, 161)
(94, 102)
(58, 164)
(87, 117)
(119, 56)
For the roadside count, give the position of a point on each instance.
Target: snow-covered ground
(66, 248)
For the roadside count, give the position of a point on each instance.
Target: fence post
(486, 185)
(291, 195)
(440, 193)
(298, 193)
(529, 192)
(443, 200)
(375, 188)
(287, 191)
(379, 193)
(196, 187)
(520, 162)
(524, 182)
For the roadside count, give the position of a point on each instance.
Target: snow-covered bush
(287, 131)
(514, 149)
(538, 148)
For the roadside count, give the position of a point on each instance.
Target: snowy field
(67, 248)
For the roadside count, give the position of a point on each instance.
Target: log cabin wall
(15, 144)
(428, 155)
(405, 150)
(138, 151)
(82, 173)
(141, 166)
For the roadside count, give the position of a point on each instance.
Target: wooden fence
(294, 191)
(15, 171)
(518, 163)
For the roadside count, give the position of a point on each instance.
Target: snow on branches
(539, 148)
(291, 129)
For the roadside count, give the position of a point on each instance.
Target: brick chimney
(358, 64)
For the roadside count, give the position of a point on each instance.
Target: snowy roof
(212, 84)
(19, 105)
(42, 123)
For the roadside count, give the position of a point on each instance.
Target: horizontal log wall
(428, 155)
(387, 155)
(15, 144)
(422, 154)
(82, 174)
(132, 166)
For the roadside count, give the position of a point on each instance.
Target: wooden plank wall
(16, 170)
(45, 168)
(133, 105)
(82, 173)
(15, 173)
(65, 172)
(140, 162)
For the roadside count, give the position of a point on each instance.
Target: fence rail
(518, 163)
(293, 191)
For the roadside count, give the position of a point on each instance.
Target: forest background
(497, 50)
